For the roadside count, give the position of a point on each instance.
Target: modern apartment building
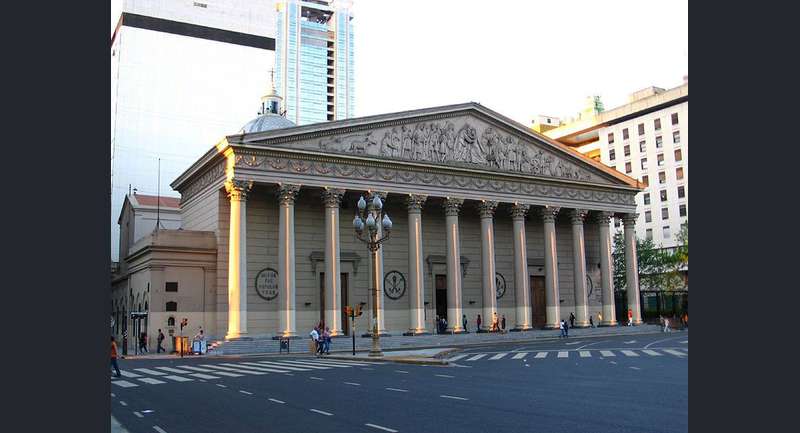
(647, 139)
(314, 58)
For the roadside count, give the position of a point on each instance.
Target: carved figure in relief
(355, 143)
(391, 144)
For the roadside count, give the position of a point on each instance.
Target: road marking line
(352, 383)
(629, 353)
(660, 341)
(520, 355)
(380, 427)
(651, 352)
(635, 368)
(159, 429)
(221, 385)
(113, 395)
(541, 355)
(288, 374)
(685, 342)
(124, 383)
(585, 354)
(262, 368)
(275, 400)
(587, 345)
(316, 364)
(343, 361)
(233, 369)
(629, 342)
(453, 397)
(148, 371)
(203, 376)
(396, 389)
(607, 353)
(179, 378)
(270, 364)
(204, 370)
(151, 381)
(245, 392)
(457, 357)
(613, 362)
(123, 403)
(444, 375)
(129, 374)
(576, 342)
(563, 354)
(173, 370)
(321, 412)
(343, 364)
(401, 371)
(138, 414)
(304, 365)
(498, 356)
(476, 357)
(315, 378)
(674, 352)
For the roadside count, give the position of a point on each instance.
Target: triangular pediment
(465, 136)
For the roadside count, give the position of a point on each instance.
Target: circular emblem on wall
(267, 284)
(394, 285)
(500, 285)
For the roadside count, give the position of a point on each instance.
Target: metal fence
(654, 304)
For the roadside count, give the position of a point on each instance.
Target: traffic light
(358, 309)
(348, 310)
(184, 322)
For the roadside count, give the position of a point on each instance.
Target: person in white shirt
(315, 337)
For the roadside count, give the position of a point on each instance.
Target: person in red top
(114, 356)
(630, 317)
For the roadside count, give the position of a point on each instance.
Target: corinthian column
(452, 207)
(487, 209)
(333, 291)
(287, 193)
(237, 258)
(606, 271)
(522, 292)
(416, 278)
(632, 266)
(579, 270)
(551, 293)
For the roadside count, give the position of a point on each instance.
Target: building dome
(266, 122)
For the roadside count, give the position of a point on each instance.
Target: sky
(521, 58)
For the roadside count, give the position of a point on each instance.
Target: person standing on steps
(114, 357)
(479, 322)
(561, 327)
(464, 320)
(571, 320)
(630, 317)
(503, 323)
(161, 337)
(495, 323)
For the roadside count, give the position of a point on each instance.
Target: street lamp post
(371, 216)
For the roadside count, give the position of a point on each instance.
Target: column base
(340, 336)
(610, 323)
(230, 337)
(291, 337)
(582, 325)
(551, 326)
(455, 331)
(521, 329)
(380, 334)
(415, 333)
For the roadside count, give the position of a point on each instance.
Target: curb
(418, 361)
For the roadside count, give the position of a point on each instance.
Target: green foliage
(658, 268)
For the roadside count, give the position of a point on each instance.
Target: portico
(499, 203)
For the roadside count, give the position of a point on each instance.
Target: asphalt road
(608, 384)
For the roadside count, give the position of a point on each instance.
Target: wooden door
(344, 298)
(538, 304)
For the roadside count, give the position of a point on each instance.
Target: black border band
(196, 31)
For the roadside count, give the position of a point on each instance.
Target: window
(663, 195)
(659, 143)
(657, 124)
(679, 173)
(628, 168)
(648, 216)
(627, 150)
(625, 134)
(644, 163)
(648, 234)
(678, 155)
(171, 286)
(660, 159)
(641, 129)
(647, 198)
(664, 213)
(666, 232)
(662, 177)
(676, 137)
(646, 181)
(611, 138)
(674, 118)
(171, 321)
(643, 146)
(682, 210)
(171, 306)
(612, 155)
(681, 192)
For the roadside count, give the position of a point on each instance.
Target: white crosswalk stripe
(541, 355)
(629, 353)
(457, 357)
(498, 356)
(124, 383)
(343, 362)
(275, 364)
(151, 380)
(149, 371)
(204, 370)
(563, 354)
(236, 370)
(585, 354)
(520, 355)
(607, 353)
(129, 374)
(227, 374)
(651, 352)
(323, 364)
(173, 370)
(203, 376)
(301, 364)
(263, 368)
(476, 357)
(178, 378)
(674, 352)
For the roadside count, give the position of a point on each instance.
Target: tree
(659, 268)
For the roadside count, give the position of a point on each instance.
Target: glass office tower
(314, 59)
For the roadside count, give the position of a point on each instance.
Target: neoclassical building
(489, 217)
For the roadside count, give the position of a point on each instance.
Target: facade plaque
(267, 284)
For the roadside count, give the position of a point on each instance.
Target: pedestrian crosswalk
(567, 354)
(189, 373)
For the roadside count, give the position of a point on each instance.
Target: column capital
(238, 189)
(604, 217)
(549, 213)
(519, 210)
(415, 202)
(381, 194)
(629, 219)
(287, 193)
(332, 197)
(486, 208)
(577, 216)
(452, 206)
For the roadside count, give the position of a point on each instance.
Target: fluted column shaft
(487, 209)
(632, 266)
(579, 270)
(606, 270)
(333, 290)
(237, 257)
(551, 294)
(522, 292)
(454, 310)
(287, 193)
(416, 278)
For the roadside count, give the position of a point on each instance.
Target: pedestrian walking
(495, 323)
(161, 337)
(561, 327)
(143, 342)
(503, 323)
(630, 317)
(326, 340)
(114, 357)
(566, 329)
(478, 322)
(686, 320)
(464, 320)
(314, 344)
(666, 325)
(571, 320)
(591, 323)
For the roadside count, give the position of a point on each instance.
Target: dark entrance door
(322, 298)
(538, 302)
(345, 319)
(441, 296)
